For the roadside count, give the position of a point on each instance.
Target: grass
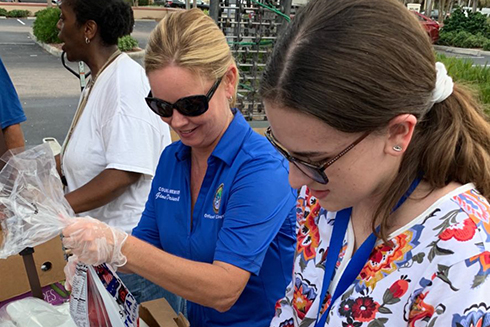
(476, 78)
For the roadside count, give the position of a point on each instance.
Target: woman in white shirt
(112, 148)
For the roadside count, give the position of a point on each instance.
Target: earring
(87, 40)
(397, 148)
(230, 99)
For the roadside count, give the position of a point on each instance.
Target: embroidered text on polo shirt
(167, 194)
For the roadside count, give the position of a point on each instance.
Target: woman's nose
(297, 178)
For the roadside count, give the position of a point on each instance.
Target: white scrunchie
(444, 85)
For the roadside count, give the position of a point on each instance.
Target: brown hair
(189, 39)
(357, 64)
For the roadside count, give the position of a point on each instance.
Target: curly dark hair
(114, 18)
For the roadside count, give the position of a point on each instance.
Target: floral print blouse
(433, 273)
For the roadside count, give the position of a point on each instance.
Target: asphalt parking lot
(48, 92)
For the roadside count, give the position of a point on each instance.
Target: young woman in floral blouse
(393, 162)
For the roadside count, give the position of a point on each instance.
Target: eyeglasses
(191, 106)
(314, 171)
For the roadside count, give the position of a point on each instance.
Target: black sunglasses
(314, 171)
(191, 106)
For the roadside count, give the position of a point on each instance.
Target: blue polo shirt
(244, 215)
(10, 108)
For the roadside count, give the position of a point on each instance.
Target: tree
(445, 7)
(475, 5)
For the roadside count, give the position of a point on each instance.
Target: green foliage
(143, 2)
(468, 21)
(486, 45)
(127, 43)
(44, 27)
(3, 12)
(16, 13)
(473, 41)
(460, 38)
(446, 38)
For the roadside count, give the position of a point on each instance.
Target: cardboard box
(158, 313)
(49, 260)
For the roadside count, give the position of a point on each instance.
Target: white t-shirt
(117, 130)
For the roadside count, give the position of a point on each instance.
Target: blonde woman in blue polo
(219, 227)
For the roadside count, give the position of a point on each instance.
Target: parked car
(431, 26)
(54, 2)
(434, 14)
(181, 4)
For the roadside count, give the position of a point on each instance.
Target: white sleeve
(132, 144)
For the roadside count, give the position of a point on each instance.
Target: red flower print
(420, 310)
(304, 295)
(400, 287)
(309, 235)
(278, 305)
(364, 309)
(345, 308)
(460, 233)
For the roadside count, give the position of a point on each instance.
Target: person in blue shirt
(219, 224)
(11, 112)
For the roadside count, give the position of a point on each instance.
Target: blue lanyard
(356, 263)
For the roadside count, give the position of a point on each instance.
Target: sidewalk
(472, 52)
(57, 52)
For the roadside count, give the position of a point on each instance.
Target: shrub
(127, 43)
(480, 40)
(16, 13)
(486, 45)
(3, 12)
(460, 38)
(476, 23)
(446, 38)
(470, 42)
(44, 27)
(468, 21)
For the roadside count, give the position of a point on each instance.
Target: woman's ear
(90, 29)
(400, 132)
(230, 80)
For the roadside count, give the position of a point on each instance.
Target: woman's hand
(94, 242)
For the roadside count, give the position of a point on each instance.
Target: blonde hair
(190, 39)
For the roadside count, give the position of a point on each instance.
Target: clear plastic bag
(32, 312)
(33, 210)
(33, 207)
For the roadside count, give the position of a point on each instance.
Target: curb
(57, 52)
(473, 52)
(52, 50)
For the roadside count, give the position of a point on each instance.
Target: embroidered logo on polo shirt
(167, 194)
(217, 198)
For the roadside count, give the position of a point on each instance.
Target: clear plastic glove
(70, 270)
(94, 242)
